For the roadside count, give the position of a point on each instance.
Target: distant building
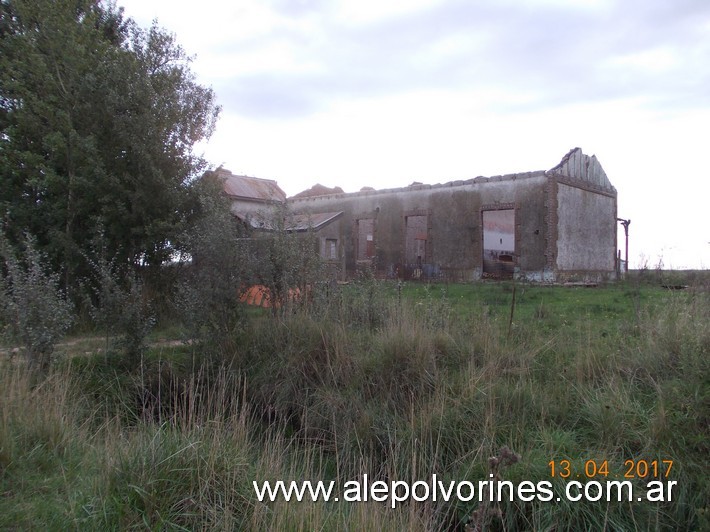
(545, 225)
(252, 197)
(318, 190)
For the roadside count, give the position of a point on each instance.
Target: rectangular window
(331, 249)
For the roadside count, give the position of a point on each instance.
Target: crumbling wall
(582, 213)
(586, 239)
(453, 211)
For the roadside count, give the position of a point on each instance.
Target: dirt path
(87, 345)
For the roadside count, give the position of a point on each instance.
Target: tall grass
(398, 384)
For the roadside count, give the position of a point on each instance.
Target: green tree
(98, 120)
(222, 265)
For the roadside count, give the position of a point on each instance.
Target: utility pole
(626, 224)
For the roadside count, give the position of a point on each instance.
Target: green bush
(35, 311)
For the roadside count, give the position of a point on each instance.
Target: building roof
(293, 223)
(318, 190)
(249, 188)
(304, 222)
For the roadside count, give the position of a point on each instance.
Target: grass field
(396, 381)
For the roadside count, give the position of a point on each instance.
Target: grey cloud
(560, 54)
(267, 96)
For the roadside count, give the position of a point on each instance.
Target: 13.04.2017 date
(600, 468)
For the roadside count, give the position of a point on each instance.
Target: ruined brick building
(545, 225)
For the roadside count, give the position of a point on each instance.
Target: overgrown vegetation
(34, 311)
(131, 428)
(207, 297)
(98, 119)
(435, 385)
(118, 307)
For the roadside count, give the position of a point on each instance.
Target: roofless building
(546, 225)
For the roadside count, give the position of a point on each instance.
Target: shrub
(118, 304)
(34, 309)
(288, 260)
(219, 266)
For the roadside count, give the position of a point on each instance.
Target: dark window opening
(416, 251)
(365, 239)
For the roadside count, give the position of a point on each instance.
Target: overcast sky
(382, 93)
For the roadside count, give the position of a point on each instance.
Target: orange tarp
(260, 296)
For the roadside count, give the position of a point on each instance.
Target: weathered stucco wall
(586, 230)
(245, 208)
(454, 224)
